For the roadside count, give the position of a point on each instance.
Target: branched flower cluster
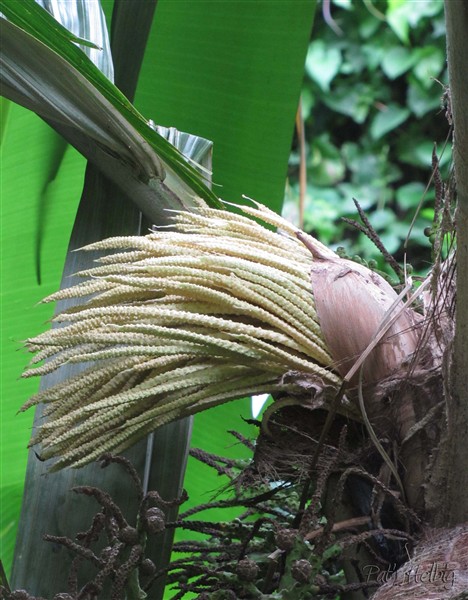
(216, 308)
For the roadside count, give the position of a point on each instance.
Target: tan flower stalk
(212, 309)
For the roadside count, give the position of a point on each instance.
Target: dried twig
(367, 229)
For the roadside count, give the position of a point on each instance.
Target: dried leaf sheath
(177, 321)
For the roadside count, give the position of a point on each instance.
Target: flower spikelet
(213, 308)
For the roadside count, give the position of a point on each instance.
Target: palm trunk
(456, 500)
(445, 548)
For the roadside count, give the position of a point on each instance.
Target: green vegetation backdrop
(372, 104)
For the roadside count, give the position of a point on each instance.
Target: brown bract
(352, 304)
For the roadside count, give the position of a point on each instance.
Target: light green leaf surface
(397, 18)
(409, 195)
(27, 162)
(403, 15)
(355, 103)
(420, 154)
(422, 99)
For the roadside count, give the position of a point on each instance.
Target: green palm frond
(185, 318)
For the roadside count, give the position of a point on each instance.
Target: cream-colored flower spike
(215, 308)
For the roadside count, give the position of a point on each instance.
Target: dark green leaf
(388, 119)
(408, 196)
(323, 63)
(128, 50)
(397, 61)
(233, 77)
(354, 102)
(421, 99)
(429, 63)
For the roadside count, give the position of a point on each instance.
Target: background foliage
(372, 107)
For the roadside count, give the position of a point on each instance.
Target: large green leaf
(37, 182)
(45, 71)
(230, 72)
